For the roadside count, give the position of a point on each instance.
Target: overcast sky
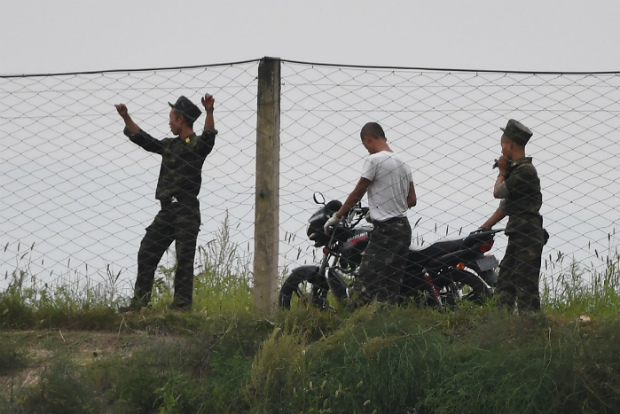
(43, 36)
(58, 36)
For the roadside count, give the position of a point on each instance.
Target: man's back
(390, 178)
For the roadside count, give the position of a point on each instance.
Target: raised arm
(136, 135)
(129, 123)
(208, 102)
(499, 189)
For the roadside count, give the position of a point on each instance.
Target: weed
(223, 357)
(60, 390)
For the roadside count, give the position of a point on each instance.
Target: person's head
(373, 137)
(183, 113)
(515, 137)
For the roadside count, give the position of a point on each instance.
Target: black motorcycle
(441, 274)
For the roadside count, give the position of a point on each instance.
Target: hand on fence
(208, 102)
(122, 110)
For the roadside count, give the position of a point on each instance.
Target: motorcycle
(441, 274)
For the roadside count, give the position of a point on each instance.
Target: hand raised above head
(121, 109)
(208, 102)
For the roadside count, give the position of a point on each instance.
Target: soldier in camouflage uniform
(519, 188)
(177, 190)
(390, 194)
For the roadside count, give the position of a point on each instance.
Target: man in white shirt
(389, 184)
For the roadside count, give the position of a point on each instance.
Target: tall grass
(46, 306)
(223, 284)
(584, 290)
(224, 358)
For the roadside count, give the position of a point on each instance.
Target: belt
(391, 220)
(178, 200)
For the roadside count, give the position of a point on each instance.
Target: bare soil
(84, 347)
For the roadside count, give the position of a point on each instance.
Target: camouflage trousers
(178, 222)
(384, 260)
(519, 271)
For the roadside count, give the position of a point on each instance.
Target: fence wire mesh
(77, 195)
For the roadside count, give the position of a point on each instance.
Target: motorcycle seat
(423, 254)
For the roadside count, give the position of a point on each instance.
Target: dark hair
(373, 129)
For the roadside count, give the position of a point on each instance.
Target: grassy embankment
(63, 351)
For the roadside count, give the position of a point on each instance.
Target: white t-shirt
(389, 187)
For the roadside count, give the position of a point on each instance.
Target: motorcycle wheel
(480, 291)
(292, 286)
(296, 284)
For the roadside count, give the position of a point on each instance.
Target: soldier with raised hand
(518, 186)
(177, 191)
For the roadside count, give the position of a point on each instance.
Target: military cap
(187, 108)
(517, 132)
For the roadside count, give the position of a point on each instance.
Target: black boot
(181, 305)
(134, 306)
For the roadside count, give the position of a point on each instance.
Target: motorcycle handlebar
(356, 215)
(480, 236)
(487, 231)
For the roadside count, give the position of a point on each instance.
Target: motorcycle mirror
(318, 198)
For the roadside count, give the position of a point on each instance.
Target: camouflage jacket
(182, 159)
(522, 205)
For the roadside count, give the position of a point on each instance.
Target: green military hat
(517, 132)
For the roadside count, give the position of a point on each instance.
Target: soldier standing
(177, 191)
(518, 186)
(390, 194)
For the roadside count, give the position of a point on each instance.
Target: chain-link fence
(77, 195)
